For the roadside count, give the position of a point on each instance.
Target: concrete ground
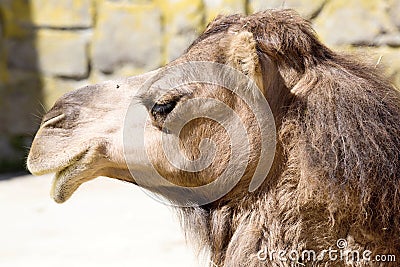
(105, 223)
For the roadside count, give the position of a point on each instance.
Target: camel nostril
(62, 115)
(52, 120)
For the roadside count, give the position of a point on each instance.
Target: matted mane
(343, 132)
(339, 141)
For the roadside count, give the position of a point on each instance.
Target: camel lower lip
(60, 189)
(68, 179)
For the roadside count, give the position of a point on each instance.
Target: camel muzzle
(80, 138)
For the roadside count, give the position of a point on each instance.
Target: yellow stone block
(306, 8)
(224, 7)
(352, 22)
(63, 53)
(386, 58)
(17, 18)
(394, 11)
(173, 10)
(127, 34)
(23, 16)
(183, 21)
(62, 13)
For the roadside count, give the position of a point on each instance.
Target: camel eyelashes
(163, 109)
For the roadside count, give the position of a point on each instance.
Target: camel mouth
(67, 179)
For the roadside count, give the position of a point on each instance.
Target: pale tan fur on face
(199, 129)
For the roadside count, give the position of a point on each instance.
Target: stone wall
(49, 47)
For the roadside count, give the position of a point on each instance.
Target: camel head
(122, 129)
(261, 134)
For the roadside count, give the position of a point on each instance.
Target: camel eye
(163, 109)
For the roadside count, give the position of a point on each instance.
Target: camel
(332, 185)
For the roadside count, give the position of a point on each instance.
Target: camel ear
(241, 54)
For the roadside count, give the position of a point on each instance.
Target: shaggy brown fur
(338, 175)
